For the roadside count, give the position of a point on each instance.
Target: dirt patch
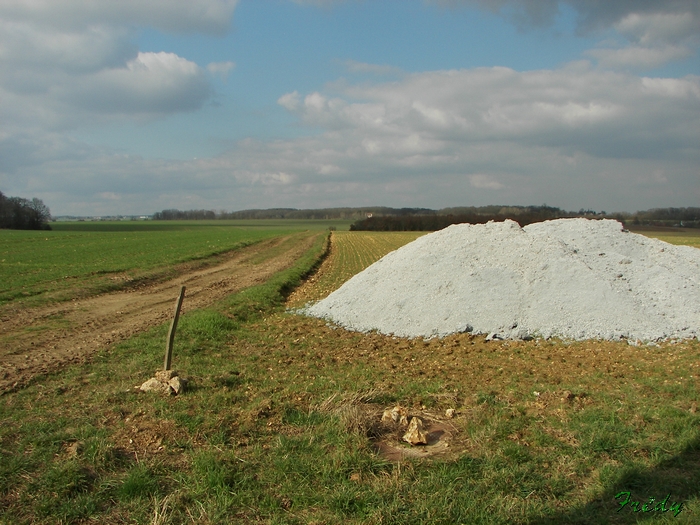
(41, 340)
(360, 415)
(391, 445)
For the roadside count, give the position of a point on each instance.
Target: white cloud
(24, 45)
(269, 179)
(65, 64)
(151, 84)
(638, 57)
(658, 28)
(655, 33)
(209, 16)
(222, 69)
(290, 101)
(592, 15)
(573, 137)
(520, 136)
(577, 107)
(329, 169)
(484, 182)
(653, 39)
(49, 47)
(578, 136)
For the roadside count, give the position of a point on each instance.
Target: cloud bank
(591, 131)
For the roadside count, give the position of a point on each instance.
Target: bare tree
(42, 210)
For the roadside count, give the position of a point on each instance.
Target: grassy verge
(281, 425)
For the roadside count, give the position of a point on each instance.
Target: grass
(351, 253)
(253, 441)
(678, 236)
(79, 258)
(280, 426)
(247, 224)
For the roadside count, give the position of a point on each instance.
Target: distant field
(687, 237)
(90, 257)
(254, 224)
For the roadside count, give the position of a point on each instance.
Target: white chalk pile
(568, 278)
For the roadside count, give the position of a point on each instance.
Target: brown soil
(40, 340)
(540, 377)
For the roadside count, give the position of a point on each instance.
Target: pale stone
(153, 385)
(177, 384)
(450, 413)
(415, 434)
(397, 414)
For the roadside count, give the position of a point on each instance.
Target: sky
(137, 106)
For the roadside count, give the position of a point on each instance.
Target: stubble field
(282, 423)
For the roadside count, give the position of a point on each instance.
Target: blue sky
(137, 106)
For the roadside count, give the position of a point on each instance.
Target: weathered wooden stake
(171, 332)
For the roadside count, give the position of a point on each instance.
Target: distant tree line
(177, 215)
(287, 213)
(380, 218)
(522, 214)
(21, 214)
(683, 217)
(322, 213)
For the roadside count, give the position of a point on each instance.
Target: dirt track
(40, 340)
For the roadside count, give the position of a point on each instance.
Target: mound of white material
(569, 278)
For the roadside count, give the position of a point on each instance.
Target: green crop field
(92, 257)
(688, 237)
(351, 253)
(248, 224)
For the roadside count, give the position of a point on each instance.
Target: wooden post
(171, 332)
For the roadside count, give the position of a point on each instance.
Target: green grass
(685, 237)
(264, 224)
(250, 442)
(353, 252)
(86, 258)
